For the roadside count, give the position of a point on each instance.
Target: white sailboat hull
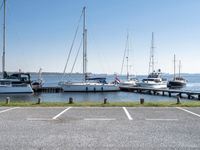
(128, 83)
(153, 85)
(7, 89)
(89, 87)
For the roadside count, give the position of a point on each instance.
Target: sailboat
(36, 84)
(17, 82)
(177, 81)
(154, 79)
(130, 81)
(88, 84)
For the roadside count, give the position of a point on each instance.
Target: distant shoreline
(77, 73)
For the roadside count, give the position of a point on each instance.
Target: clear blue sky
(40, 32)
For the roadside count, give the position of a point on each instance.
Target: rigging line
(77, 28)
(1, 5)
(77, 55)
(125, 51)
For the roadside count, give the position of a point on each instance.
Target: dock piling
(141, 100)
(71, 100)
(178, 99)
(105, 100)
(170, 94)
(39, 100)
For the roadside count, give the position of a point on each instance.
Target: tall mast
(179, 72)
(174, 66)
(127, 75)
(84, 45)
(4, 39)
(151, 62)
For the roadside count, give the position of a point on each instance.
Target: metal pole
(174, 66)
(151, 60)
(127, 55)
(84, 45)
(4, 38)
(179, 73)
(152, 49)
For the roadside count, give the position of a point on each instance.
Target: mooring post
(154, 92)
(163, 93)
(39, 100)
(180, 95)
(105, 100)
(178, 99)
(7, 100)
(141, 100)
(189, 96)
(71, 100)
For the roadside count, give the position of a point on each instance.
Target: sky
(39, 34)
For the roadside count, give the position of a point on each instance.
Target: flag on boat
(117, 80)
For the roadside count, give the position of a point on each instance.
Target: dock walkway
(163, 92)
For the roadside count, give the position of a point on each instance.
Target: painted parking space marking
(39, 119)
(99, 119)
(127, 113)
(8, 109)
(188, 111)
(58, 115)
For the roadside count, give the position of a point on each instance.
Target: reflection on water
(111, 96)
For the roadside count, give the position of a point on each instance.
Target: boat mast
(127, 75)
(84, 45)
(4, 39)
(151, 62)
(179, 72)
(174, 66)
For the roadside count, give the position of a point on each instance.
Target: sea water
(52, 79)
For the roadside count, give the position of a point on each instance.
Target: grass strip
(101, 104)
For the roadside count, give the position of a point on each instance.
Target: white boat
(87, 85)
(15, 83)
(154, 79)
(130, 81)
(10, 86)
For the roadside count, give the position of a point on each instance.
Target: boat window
(5, 83)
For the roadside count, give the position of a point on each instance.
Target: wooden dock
(163, 92)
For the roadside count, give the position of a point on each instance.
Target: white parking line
(39, 119)
(99, 119)
(188, 111)
(161, 119)
(127, 113)
(61, 113)
(8, 109)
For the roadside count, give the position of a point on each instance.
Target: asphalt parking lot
(99, 128)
